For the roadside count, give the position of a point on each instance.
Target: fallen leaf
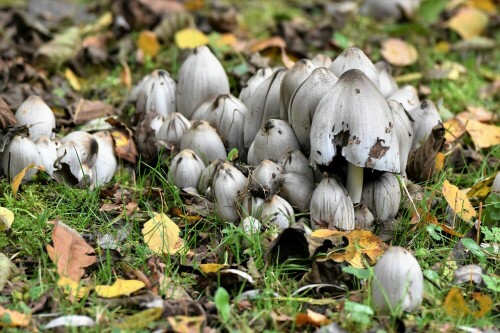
(126, 75)
(185, 324)
(458, 201)
(479, 114)
(190, 38)
(7, 269)
(485, 305)
(276, 42)
(161, 235)
(211, 268)
(454, 304)
(63, 47)
(468, 22)
(140, 320)
(73, 80)
(483, 135)
(119, 288)
(398, 52)
(71, 321)
(148, 43)
(73, 289)
(485, 5)
(361, 242)
(11, 318)
(7, 118)
(16, 182)
(448, 70)
(85, 110)
(123, 139)
(439, 163)
(6, 218)
(70, 252)
(311, 318)
(482, 189)
(454, 129)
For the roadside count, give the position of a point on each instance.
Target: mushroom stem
(354, 184)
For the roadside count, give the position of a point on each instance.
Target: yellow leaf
(190, 38)
(361, 242)
(119, 288)
(211, 268)
(184, 324)
(126, 75)
(454, 129)
(311, 318)
(483, 135)
(485, 5)
(482, 189)
(10, 318)
(398, 52)
(73, 80)
(161, 235)
(485, 304)
(468, 22)
(6, 218)
(439, 163)
(443, 47)
(454, 304)
(73, 289)
(148, 43)
(16, 182)
(458, 201)
(323, 233)
(140, 320)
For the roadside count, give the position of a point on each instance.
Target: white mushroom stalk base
(354, 184)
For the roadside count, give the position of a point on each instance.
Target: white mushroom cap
(354, 58)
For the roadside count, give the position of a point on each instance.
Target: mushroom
(228, 184)
(185, 169)
(425, 117)
(407, 96)
(355, 119)
(386, 82)
(404, 130)
(292, 79)
(398, 281)
(382, 195)
(37, 115)
(354, 58)
(156, 94)
(204, 141)
(266, 178)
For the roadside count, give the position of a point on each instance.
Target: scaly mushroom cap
(354, 58)
(355, 117)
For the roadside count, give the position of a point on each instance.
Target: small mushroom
(425, 117)
(37, 115)
(204, 141)
(278, 212)
(354, 58)
(228, 185)
(292, 79)
(265, 179)
(185, 169)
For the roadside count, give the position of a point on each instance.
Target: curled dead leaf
(398, 52)
(458, 201)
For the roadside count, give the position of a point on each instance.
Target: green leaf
(360, 313)
(360, 273)
(430, 10)
(232, 155)
(341, 40)
(472, 246)
(222, 304)
(492, 282)
(431, 229)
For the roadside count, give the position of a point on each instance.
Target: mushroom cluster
(329, 141)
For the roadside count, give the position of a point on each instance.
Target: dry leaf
(479, 113)
(119, 288)
(73, 289)
(312, 318)
(10, 318)
(126, 75)
(482, 135)
(398, 52)
(161, 235)
(468, 22)
(190, 38)
(73, 80)
(85, 110)
(277, 42)
(7, 270)
(458, 201)
(185, 324)
(6, 218)
(454, 304)
(454, 129)
(485, 305)
(482, 189)
(485, 5)
(211, 268)
(148, 43)
(141, 319)
(70, 252)
(16, 182)
(361, 242)
(448, 70)
(123, 139)
(7, 118)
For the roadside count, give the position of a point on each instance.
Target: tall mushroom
(355, 119)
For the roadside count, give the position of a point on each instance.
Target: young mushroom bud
(273, 140)
(425, 117)
(390, 9)
(387, 84)
(407, 96)
(321, 60)
(250, 225)
(363, 217)
(171, 131)
(226, 114)
(292, 79)
(106, 163)
(251, 205)
(296, 188)
(19, 153)
(48, 153)
(37, 115)
(200, 77)
(265, 179)
(207, 176)
(295, 161)
(277, 211)
(156, 94)
(382, 195)
(354, 58)
(228, 185)
(204, 141)
(304, 102)
(185, 169)
(331, 207)
(253, 83)
(398, 282)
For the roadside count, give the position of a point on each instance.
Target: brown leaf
(7, 118)
(85, 110)
(10, 318)
(311, 318)
(422, 161)
(398, 52)
(148, 43)
(485, 304)
(276, 42)
(468, 22)
(454, 304)
(124, 144)
(184, 324)
(70, 252)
